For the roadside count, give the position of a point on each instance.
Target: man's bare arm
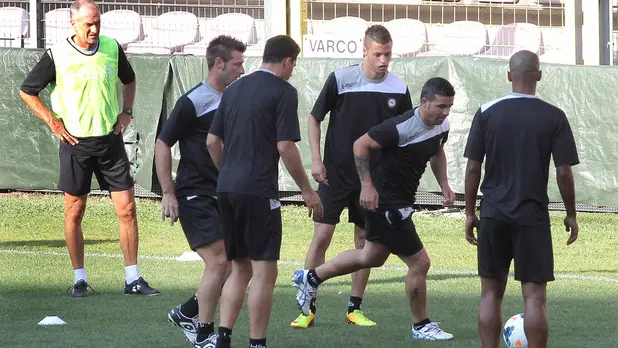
(438, 167)
(362, 149)
(41, 111)
(128, 95)
(472, 182)
(566, 185)
(215, 149)
(291, 159)
(315, 134)
(163, 165)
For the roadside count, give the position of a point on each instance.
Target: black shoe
(139, 287)
(80, 289)
(210, 342)
(188, 325)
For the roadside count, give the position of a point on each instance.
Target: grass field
(35, 273)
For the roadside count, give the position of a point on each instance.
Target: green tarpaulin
(29, 150)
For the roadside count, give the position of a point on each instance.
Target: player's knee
(373, 260)
(127, 212)
(75, 211)
(359, 241)
(321, 241)
(421, 265)
(534, 292)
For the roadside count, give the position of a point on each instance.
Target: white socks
(80, 274)
(132, 273)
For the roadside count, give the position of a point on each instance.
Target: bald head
(524, 66)
(79, 4)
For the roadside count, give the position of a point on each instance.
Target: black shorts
(251, 226)
(500, 242)
(104, 156)
(199, 218)
(335, 199)
(397, 235)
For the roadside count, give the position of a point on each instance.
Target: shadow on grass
(51, 243)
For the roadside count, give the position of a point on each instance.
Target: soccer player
(517, 135)
(83, 71)
(358, 97)
(255, 125)
(406, 142)
(192, 199)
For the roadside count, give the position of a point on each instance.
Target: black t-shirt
(516, 136)
(188, 124)
(255, 113)
(356, 104)
(44, 72)
(407, 145)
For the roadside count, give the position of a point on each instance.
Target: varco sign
(332, 46)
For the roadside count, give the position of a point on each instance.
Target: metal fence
(494, 28)
(158, 24)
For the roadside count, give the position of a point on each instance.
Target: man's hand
(169, 207)
(57, 126)
(449, 196)
(570, 224)
(122, 123)
(313, 203)
(369, 197)
(318, 171)
(472, 222)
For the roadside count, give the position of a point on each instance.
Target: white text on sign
(332, 46)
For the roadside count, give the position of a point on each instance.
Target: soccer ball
(514, 335)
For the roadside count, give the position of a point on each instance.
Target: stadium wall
(29, 150)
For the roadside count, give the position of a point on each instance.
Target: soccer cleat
(305, 290)
(80, 289)
(431, 332)
(140, 287)
(358, 318)
(303, 321)
(210, 342)
(188, 325)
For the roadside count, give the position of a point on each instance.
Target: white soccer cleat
(305, 290)
(431, 332)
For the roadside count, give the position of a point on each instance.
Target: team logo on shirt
(391, 103)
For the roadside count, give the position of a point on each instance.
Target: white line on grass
(441, 271)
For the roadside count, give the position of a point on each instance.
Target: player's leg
(400, 237)
(216, 272)
(263, 232)
(113, 172)
(490, 311)
(374, 254)
(75, 177)
(232, 298)
(74, 209)
(260, 300)
(333, 200)
(199, 218)
(495, 252)
(534, 267)
(360, 278)
(233, 221)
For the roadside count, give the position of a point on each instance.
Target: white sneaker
(305, 291)
(431, 332)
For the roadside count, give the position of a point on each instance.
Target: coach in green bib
(82, 72)
(84, 93)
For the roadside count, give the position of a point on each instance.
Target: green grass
(35, 273)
